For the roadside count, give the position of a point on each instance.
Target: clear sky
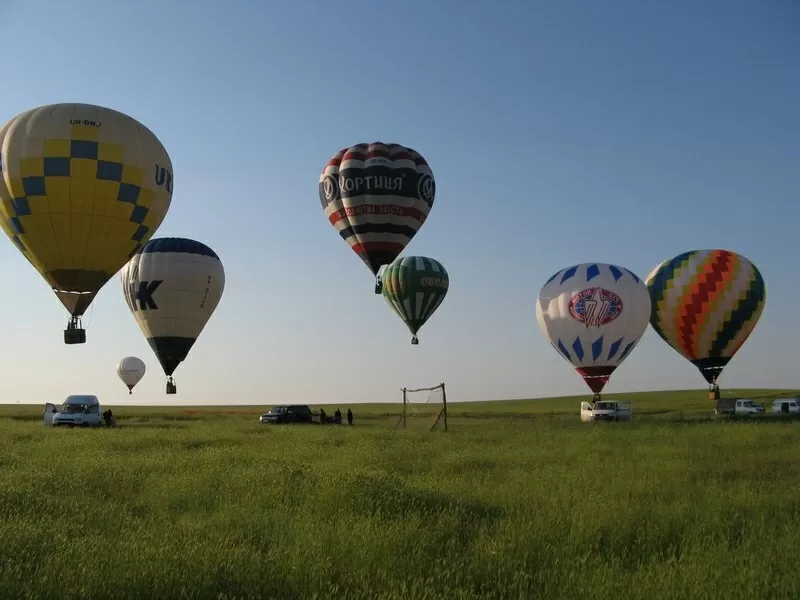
(624, 131)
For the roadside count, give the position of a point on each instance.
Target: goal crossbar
(442, 412)
(429, 389)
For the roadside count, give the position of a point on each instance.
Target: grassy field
(518, 500)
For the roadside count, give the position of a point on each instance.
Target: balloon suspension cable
(713, 386)
(414, 340)
(74, 323)
(91, 312)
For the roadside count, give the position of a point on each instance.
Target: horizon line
(156, 403)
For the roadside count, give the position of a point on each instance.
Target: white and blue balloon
(594, 314)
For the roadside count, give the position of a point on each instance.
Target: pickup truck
(606, 410)
(737, 406)
(288, 413)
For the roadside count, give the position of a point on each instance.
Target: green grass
(518, 500)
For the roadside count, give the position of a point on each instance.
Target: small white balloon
(131, 370)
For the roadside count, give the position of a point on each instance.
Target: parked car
(288, 413)
(786, 405)
(80, 410)
(606, 410)
(737, 406)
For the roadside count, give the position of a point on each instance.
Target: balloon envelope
(593, 314)
(706, 304)
(377, 196)
(172, 286)
(83, 187)
(414, 287)
(131, 370)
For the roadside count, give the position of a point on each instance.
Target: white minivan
(80, 410)
(786, 405)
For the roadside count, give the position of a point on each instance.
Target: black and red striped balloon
(377, 196)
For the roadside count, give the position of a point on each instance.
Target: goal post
(436, 399)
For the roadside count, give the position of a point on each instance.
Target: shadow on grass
(383, 496)
(25, 418)
(150, 425)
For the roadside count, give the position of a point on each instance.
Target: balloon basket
(713, 394)
(171, 387)
(74, 333)
(74, 336)
(414, 341)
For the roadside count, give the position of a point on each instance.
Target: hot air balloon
(593, 314)
(414, 287)
(131, 370)
(172, 286)
(83, 187)
(706, 303)
(377, 196)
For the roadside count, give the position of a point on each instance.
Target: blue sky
(625, 131)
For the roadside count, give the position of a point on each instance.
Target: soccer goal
(422, 406)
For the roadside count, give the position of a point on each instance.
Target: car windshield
(74, 408)
(278, 410)
(604, 406)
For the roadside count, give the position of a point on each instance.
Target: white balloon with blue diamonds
(594, 314)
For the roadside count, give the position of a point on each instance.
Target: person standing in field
(349, 417)
(322, 416)
(337, 417)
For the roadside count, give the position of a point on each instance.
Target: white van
(606, 410)
(786, 405)
(80, 410)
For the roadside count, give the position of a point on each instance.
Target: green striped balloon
(414, 287)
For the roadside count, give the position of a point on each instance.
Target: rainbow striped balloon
(705, 304)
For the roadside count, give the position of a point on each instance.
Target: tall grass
(175, 506)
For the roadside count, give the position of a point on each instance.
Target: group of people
(337, 417)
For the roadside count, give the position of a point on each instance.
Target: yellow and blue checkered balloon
(82, 188)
